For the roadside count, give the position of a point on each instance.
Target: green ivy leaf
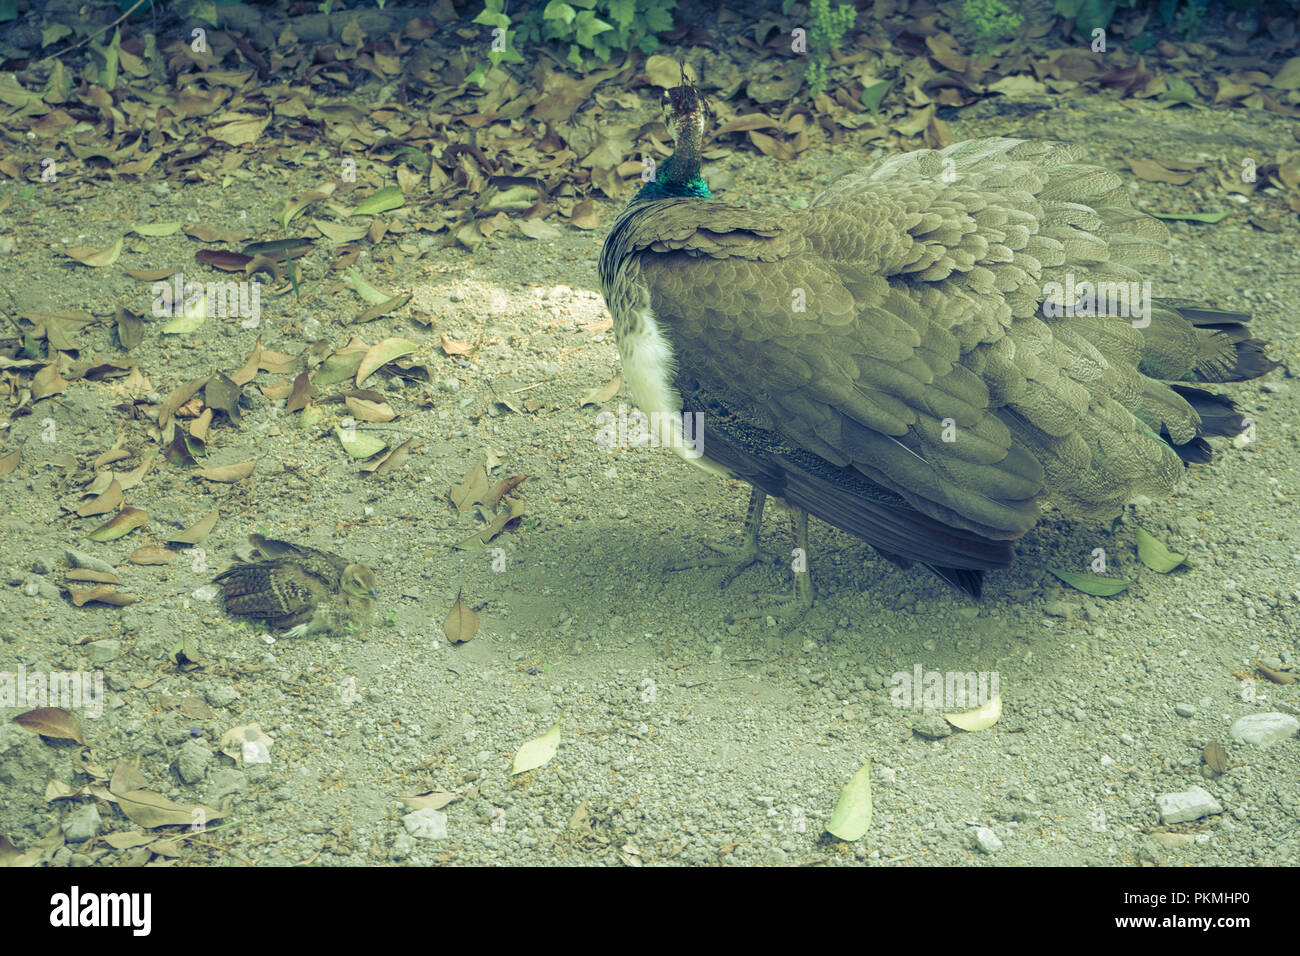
(559, 10)
(588, 26)
(659, 19)
(623, 12)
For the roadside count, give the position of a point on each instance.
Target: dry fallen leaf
(52, 722)
(461, 623)
(602, 393)
(228, 473)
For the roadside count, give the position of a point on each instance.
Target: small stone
(81, 824)
(101, 652)
(1263, 729)
(1185, 710)
(426, 824)
(1061, 609)
(192, 762)
(931, 725)
(986, 841)
(1188, 805)
(79, 559)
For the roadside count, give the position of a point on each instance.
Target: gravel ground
(687, 738)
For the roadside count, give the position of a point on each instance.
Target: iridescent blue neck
(677, 177)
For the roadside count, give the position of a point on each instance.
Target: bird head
(686, 112)
(358, 580)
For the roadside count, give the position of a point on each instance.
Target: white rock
(1263, 729)
(1189, 805)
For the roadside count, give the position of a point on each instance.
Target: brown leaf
(197, 532)
(90, 574)
(228, 473)
(471, 489)
(10, 461)
(1215, 756)
(602, 393)
(584, 215)
(130, 328)
(223, 259)
(152, 554)
(52, 722)
(770, 147)
(461, 623)
(122, 524)
(383, 308)
(480, 538)
(199, 427)
(178, 397)
(46, 382)
(152, 275)
(103, 594)
(390, 460)
(1277, 677)
(150, 810)
(300, 397)
(452, 347)
(110, 500)
(1153, 171)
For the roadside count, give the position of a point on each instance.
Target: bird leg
(790, 610)
(736, 559)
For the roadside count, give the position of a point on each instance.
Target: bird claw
(299, 631)
(734, 559)
(784, 609)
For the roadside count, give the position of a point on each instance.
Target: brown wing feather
(919, 361)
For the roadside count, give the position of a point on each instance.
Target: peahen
(896, 358)
(303, 589)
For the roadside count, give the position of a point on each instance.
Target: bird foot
(734, 559)
(784, 609)
(294, 632)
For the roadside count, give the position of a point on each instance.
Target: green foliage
(991, 21)
(828, 28)
(589, 27)
(1183, 16)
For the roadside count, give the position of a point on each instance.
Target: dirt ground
(685, 737)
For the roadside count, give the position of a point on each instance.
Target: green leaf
(390, 197)
(360, 444)
(559, 10)
(1155, 555)
(874, 93)
(852, 817)
(1093, 584)
(1178, 90)
(659, 19)
(622, 12)
(489, 19)
(588, 26)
